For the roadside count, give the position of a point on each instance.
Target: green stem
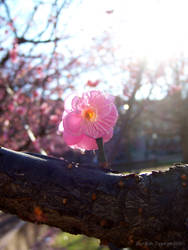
(101, 154)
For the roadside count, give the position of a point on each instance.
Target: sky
(155, 30)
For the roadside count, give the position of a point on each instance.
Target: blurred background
(135, 50)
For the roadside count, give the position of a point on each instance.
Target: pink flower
(13, 54)
(92, 84)
(174, 89)
(86, 118)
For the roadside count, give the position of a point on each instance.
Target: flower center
(89, 115)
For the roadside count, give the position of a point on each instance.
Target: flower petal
(101, 102)
(75, 102)
(87, 143)
(69, 101)
(61, 128)
(93, 129)
(72, 123)
(111, 119)
(102, 126)
(71, 139)
(108, 136)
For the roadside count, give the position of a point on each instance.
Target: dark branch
(4, 59)
(10, 18)
(21, 40)
(126, 210)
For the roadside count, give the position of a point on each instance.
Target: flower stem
(101, 154)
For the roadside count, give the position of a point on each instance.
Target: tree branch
(21, 40)
(127, 210)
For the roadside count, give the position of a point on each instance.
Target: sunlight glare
(151, 29)
(156, 31)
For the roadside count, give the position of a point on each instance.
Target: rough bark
(146, 211)
(184, 137)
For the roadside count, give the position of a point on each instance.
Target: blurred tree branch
(126, 210)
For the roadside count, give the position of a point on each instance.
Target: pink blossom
(54, 118)
(21, 110)
(35, 93)
(11, 107)
(174, 89)
(86, 118)
(14, 51)
(13, 54)
(92, 84)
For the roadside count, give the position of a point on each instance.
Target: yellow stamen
(89, 115)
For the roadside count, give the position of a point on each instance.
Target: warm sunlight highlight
(152, 29)
(157, 30)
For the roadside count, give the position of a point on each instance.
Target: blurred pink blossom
(14, 51)
(86, 118)
(92, 84)
(11, 107)
(35, 93)
(13, 54)
(174, 89)
(21, 110)
(54, 118)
